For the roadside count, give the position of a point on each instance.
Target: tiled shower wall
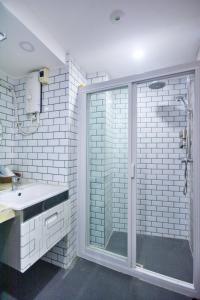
(108, 165)
(162, 209)
(100, 168)
(120, 159)
(100, 156)
(6, 119)
(96, 158)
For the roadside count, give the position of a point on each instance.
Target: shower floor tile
(167, 256)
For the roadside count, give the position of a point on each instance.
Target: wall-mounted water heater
(33, 93)
(33, 101)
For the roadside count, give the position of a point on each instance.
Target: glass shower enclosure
(139, 212)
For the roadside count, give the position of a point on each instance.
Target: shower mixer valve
(183, 138)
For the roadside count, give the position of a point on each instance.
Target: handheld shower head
(182, 98)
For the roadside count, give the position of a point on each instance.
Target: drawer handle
(51, 219)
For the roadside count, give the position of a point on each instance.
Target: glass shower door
(164, 176)
(107, 169)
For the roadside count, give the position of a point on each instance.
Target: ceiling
(14, 61)
(167, 31)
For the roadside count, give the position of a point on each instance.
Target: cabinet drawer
(53, 224)
(56, 224)
(40, 233)
(31, 242)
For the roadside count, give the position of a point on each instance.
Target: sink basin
(29, 195)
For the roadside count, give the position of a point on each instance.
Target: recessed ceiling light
(26, 46)
(116, 15)
(2, 36)
(138, 54)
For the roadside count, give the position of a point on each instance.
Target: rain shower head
(155, 85)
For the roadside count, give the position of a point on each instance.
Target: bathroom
(99, 150)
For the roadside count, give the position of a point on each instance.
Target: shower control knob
(182, 144)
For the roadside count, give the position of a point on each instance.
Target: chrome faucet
(15, 182)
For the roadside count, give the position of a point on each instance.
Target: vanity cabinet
(35, 231)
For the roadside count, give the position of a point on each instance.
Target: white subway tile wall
(162, 209)
(97, 77)
(96, 165)
(6, 121)
(66, 250)
(100, 172)
(50, 155)
(100, 167)
(44, 155)
(108, 165)
(120, 160)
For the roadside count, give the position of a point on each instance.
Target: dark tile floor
(86, 281)
(171, 257)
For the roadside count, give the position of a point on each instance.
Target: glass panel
(108, 170)
(164, 174)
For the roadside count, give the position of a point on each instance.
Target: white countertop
(29, 194)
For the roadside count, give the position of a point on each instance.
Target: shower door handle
(132, 171)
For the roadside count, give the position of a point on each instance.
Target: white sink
(29, 195)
